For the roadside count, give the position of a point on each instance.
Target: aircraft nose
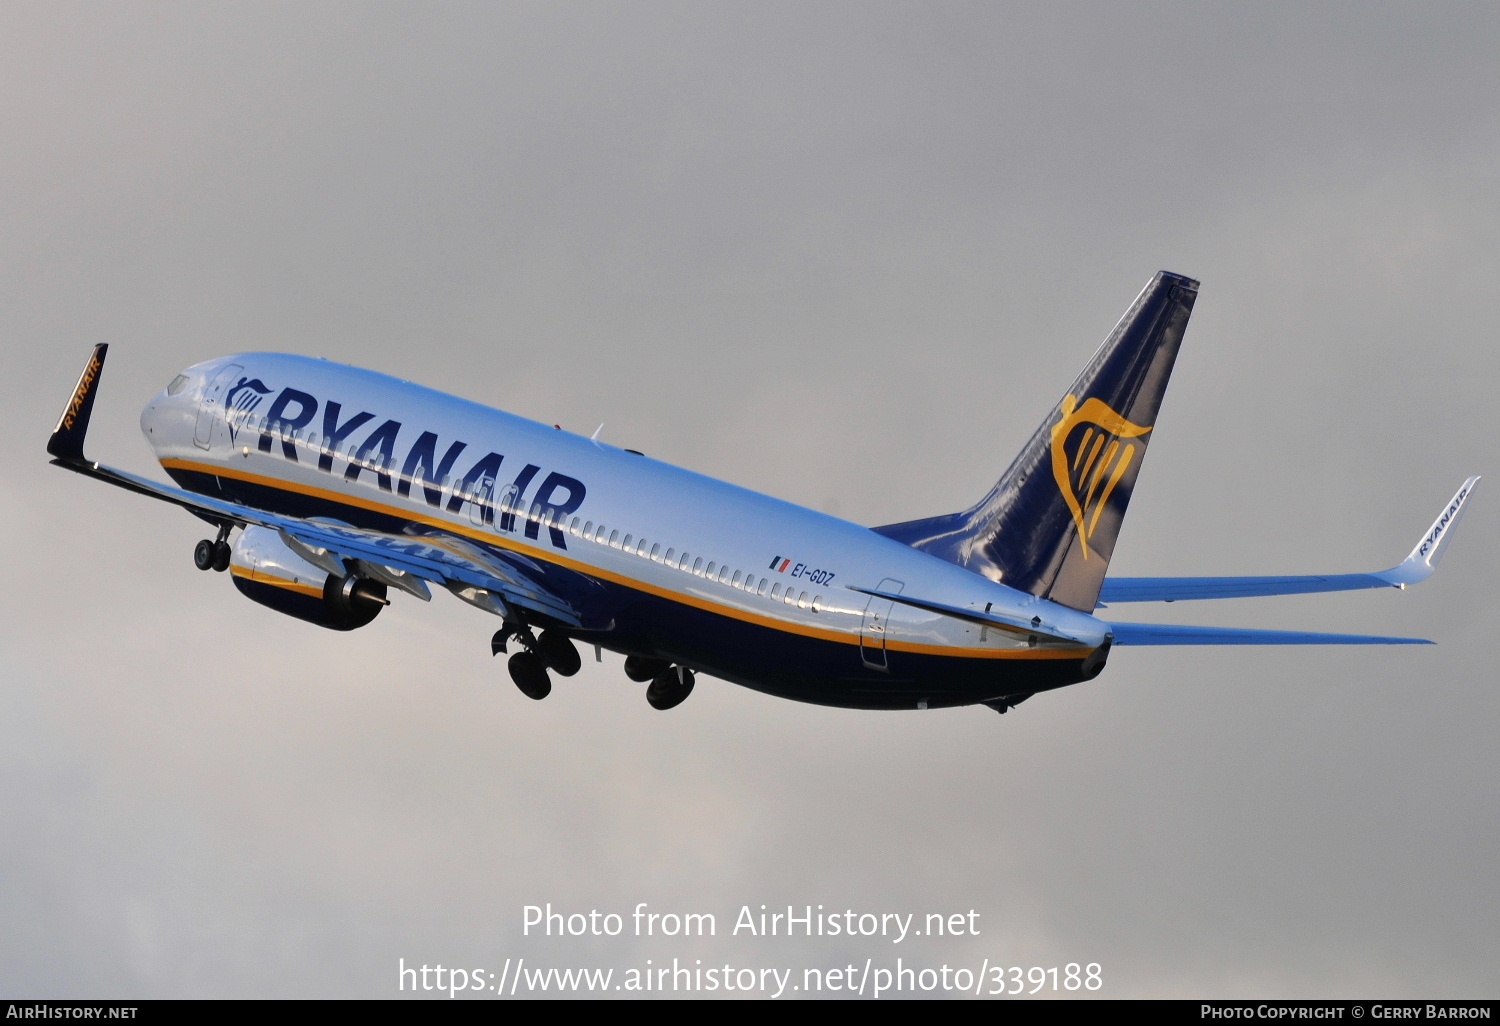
(149, 417)
(157, 414)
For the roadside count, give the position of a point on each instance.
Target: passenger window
(776, 591)
(671, 555)
(627, 543)
(614, 539)
(573, 528)
(710, 571)
(723, 575)
(802, 601)
(736, 581)
(588, 529)
(698, 566)
(762, 589)
(656, 552)
(817, 603)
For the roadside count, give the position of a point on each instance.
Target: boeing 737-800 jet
(332, 488)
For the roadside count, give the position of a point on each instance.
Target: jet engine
(266, 571)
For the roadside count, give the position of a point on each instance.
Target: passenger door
(872, 630)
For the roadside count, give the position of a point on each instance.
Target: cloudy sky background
(849, 254)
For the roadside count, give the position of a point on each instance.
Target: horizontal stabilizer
(1418, 566)
(1173, 634)
(1015, 625)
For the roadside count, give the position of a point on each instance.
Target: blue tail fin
(1049, 526)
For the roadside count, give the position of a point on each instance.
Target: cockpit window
(177, 384)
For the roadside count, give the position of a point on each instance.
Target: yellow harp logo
(1100, 457)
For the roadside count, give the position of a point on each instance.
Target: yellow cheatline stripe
(276, 581)
(500, 541)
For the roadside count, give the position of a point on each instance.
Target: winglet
(66, 442)
(1424, 558)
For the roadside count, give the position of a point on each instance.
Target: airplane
(332, 488)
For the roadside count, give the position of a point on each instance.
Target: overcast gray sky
(848, 254)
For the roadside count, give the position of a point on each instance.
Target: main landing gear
(641, 669)
(670, 685)
(530, 675)
(213, 555)
(528, 668)
(554, 651)
(671, 688)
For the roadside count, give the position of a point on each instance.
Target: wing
(1147, 633)
(1416, 567)
(1173, 634)
(475, 573)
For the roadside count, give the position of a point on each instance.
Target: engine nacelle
(267, 572)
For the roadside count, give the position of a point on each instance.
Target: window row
(695, 565)
(506, 502)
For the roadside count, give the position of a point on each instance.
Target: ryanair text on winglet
(90, 374)
(1442, 523)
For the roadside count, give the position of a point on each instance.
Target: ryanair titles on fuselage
(294, 412)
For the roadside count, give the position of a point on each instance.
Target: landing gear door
(211, 404)
(872, 630)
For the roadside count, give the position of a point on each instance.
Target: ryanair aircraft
(333, 488)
